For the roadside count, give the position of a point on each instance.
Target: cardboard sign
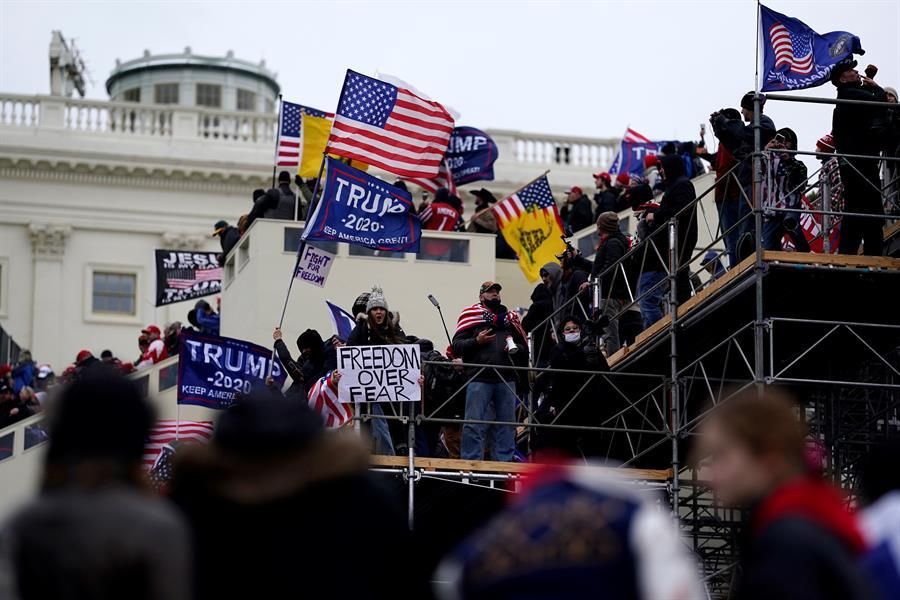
(314, 266)
(379, 373)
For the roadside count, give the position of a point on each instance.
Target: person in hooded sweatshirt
(96, 531)
(800, 541)
(679, 194)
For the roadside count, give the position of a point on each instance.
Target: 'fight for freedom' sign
(213, 370)
(314, 266)
(379, 373)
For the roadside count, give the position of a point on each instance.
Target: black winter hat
(747, 100)
(310, 339)
(257, 193)
(359, 305)
(101, 415)
(284, 177)
(266, 424)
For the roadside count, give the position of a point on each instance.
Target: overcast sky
(586, 68)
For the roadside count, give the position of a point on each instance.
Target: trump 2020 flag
(796, 57)
(360, 209)
(530, 224)
(389, 127)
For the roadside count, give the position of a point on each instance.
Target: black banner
(183, 275)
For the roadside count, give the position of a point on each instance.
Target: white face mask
(572, 337)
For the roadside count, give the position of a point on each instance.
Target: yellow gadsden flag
(530, 223)
(315, 127)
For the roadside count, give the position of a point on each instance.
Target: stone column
(48, 247)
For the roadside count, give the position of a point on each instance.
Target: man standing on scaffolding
(858, 129)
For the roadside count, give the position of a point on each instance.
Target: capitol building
(90, 188)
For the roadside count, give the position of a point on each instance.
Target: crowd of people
(272, 471)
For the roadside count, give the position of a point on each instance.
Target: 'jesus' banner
(184, 275)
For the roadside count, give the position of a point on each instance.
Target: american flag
(536, 195)
(323, 398)
(287, 153)
(167, 431)
(389, 127)
(443, 179)
(792, 49)
(182, 279)
(633, 136)
(477, 315)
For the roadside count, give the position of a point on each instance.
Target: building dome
(188, 79)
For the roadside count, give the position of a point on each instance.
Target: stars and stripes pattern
(323, 398)
(182, 279)
(534, 196)
(167, 431)
(390, 128)
(477, 315)
(314, 112)
(634, 137)
(287, 150)
(443, 179)
(792, 49)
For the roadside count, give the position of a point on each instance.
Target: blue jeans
(730, 213)
(489, 402)
(381, 433)
(652, 303)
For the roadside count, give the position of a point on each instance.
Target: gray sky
(586, 68)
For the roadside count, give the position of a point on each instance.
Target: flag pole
(758, 35)
(481, 212)
(277, 138)
(287, 296)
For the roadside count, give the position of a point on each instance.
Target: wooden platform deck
(489, 466)
(743, 269)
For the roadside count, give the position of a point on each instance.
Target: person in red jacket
(443, 214)
(156, 351)
(800, 541)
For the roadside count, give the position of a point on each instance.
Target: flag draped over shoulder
(323, 398)
(315, 127)
(530, 224)
(477, 315)
(795, 57)
(389, 127)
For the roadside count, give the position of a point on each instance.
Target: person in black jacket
(564, 281)
(316, 359)
(286, 208)
(613, 245)
(487, 333)
(536, 322)
(800, 541)
(785, 181)
(228, 235)
(574, 399)
(377, 328)
(679, 194)
(274, 488)
(577, 213)
(859, 130)
(606, 199)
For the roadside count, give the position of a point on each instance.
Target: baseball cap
(604, 176)
(151, 329)
(218, 227)
(575, 189)
(489, 285)
(840, 68)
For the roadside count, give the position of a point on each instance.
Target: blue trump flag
(796, 57)
(360, 209)
(213, 370)
(471, 155)
(630, 158)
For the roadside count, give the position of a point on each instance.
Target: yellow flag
(315, 135)
(535, 236)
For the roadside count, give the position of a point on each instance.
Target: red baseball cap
(623, 179)
(151, 329)
(604, 176)
(575, 189)
(82, 356)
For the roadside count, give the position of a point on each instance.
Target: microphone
(437, 305)
(434, 301)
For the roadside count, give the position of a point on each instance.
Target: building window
(209, 95)
(132, 95)
(246, 100)
(114, 293)
(165, 93)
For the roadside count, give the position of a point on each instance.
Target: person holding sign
(377, 329)
(488, 334)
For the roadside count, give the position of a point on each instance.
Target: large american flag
(534, 196)
(182, 279)
(792, 49)
(167, 431)
(389, 127)
(287, 152)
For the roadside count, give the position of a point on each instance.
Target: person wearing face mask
(574, 398)
(487, 333)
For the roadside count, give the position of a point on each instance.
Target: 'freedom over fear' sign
(379, 373)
